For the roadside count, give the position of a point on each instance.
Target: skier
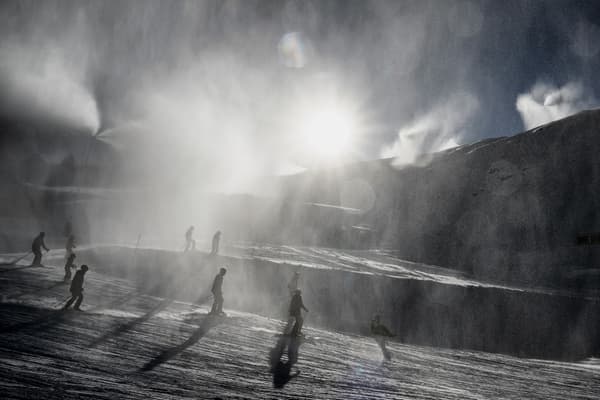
(77, 289)
(295, 320)
(380, 332)
(68, 265)
(215, 243)
(190, 243)
(36, 248)
(69, 246)
(293, 285)
(217, 291)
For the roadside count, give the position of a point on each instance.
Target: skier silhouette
(215, 243)
(190, 243)
(68, 265)
(295, 320)
(77, 289)
(36, 248)
(380, 332)
(69, 246)
(217, 291)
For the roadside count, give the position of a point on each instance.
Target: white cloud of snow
(545, 103)
(440, 128)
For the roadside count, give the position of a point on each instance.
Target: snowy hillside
(130, 345)
(508, 208)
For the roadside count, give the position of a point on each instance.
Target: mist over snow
(546, 102)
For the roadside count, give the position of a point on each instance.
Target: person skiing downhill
(68, 265)
(380, 332)
(295, 320)
(217, 291)
(215, 243)
(77, 289)
(190, 243)
(36, 248)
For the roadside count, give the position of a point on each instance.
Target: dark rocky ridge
(509, 208)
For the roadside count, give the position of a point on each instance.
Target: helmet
(84, 267)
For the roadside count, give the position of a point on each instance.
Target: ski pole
(16, 260)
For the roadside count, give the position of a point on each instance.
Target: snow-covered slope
(129, 345)
(423, 304)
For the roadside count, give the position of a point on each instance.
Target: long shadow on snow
(281, 369)
(39, 290)
(120, 329)
(49, 318)
(18, 268)
(207, 324)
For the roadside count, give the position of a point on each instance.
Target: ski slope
(129, 345)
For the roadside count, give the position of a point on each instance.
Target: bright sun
(326, 133)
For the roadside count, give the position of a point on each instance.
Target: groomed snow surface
(128, 345)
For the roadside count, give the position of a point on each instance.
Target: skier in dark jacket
(36, 248)
(77, 289)
(217, 291)
(68, 265)
(295, 320)
(380, 332)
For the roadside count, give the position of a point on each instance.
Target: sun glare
(327, 133)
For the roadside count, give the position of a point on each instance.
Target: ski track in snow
(101, 354)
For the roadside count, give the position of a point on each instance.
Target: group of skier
(295, 320)
(190, 242)
(76, 287)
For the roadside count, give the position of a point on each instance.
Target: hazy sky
(222, 80)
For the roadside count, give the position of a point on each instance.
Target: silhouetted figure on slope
(295, 321)
(77, 289)
(68, 266)
(69, 246)
(36, 248)
(215, 243)
(217, 291)
(380, 332)
(190, 243)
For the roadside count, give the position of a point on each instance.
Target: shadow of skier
(48, 318)
(207, 324)
(39, 290)
(280, 368)
(122, 328)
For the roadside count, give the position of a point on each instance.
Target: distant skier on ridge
(215, 243)
(69, 246)
(293, 285)
(190, 243)
(380, 332)
(36, 248)
(77, 289)
(217, 291)
(68, 265)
